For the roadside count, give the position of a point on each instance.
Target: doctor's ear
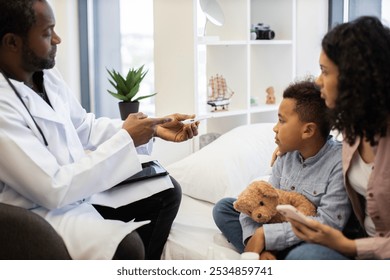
(11, 41)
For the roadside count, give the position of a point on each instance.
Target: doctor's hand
(324, 235)
(175, 130)
(141, 128)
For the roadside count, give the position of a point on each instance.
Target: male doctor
(44, 133)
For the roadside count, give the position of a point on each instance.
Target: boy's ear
(309, 129)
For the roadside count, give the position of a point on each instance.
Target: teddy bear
(259, 201)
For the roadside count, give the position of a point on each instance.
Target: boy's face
(289, 129)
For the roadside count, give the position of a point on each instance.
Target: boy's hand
(256, 242)
(275, 155)
(267, 255)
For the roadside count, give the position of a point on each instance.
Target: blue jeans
(310, 251)
(227, 220)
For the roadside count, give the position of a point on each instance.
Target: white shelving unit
(249, 66)
(190, 51)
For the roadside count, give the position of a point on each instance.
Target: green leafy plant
(127, 88)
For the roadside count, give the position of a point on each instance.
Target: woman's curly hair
(361, 51)
(17, 16)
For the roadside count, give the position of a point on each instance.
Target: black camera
(263, 32)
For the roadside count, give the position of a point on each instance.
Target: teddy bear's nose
(259, 216)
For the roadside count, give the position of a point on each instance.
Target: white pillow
(226, 166)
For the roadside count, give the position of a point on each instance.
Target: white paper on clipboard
(128, 193)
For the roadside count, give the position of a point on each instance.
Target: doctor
(44, 133)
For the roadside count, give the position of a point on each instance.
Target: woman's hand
(324, 235)
(175, 130)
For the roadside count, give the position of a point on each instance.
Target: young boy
(310, 164)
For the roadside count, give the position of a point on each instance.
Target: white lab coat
(58, 181)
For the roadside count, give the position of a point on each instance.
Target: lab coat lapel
(61, 110)
(38, 106)
(52, 120)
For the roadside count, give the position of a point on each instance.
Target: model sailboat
(219, 93)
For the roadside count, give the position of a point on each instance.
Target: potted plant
(127, 89)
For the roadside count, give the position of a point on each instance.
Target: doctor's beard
(31, 60)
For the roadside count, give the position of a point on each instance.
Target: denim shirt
(320, 179)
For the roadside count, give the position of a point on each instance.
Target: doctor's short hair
(17, 16)
(310, 107)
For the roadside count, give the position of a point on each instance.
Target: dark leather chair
(25, 235)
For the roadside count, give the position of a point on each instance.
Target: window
(137, 44)
(115, 34)
(347, 10)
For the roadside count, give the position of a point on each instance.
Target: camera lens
(265, 34)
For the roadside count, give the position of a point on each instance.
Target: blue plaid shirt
(320, 179)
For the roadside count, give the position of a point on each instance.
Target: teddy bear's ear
(237, 206)
(270, 194)
(268, 190)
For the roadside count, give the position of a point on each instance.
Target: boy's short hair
(310, 107)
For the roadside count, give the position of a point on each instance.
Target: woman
(355, 83)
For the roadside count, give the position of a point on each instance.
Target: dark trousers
(160, 209)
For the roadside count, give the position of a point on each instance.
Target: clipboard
(150, 169)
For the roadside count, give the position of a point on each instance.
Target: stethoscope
(25, 106)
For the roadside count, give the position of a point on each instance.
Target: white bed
(223, 168)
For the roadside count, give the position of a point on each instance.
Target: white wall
(68, 55)
(166, 42)
(312, 24)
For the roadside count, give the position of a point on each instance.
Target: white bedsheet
(221, 169)
(194, 235)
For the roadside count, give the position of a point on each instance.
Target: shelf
(243, 42)
(271, 42)
(221, 114)
(264, 108)
(216, 42)
(223, 43)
